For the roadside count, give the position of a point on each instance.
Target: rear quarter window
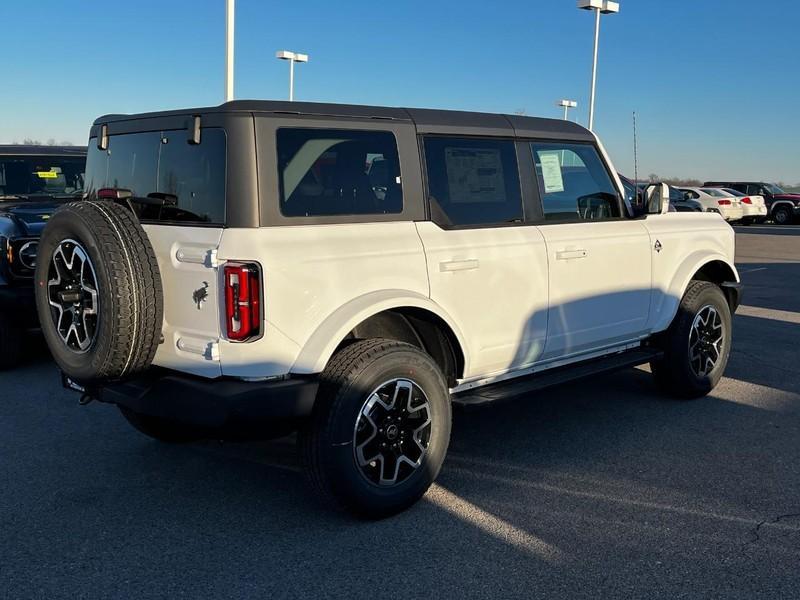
(326, 172)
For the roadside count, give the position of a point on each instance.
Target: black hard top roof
(451, 121)
(28, 150)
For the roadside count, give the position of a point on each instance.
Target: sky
(715, 84)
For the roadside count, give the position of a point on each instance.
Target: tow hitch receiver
(87, 394)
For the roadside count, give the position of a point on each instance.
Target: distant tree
(31, 142)
(51, 142)
(65, 143)
(653, 178)
(521, 111)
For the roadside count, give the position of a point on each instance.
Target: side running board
(506, 390)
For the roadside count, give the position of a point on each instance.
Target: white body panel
(600, 284)
(493, 283)
(192, 302)
(687, 241)
(316, 278)
(756, 208)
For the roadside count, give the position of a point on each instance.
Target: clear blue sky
(716, 84)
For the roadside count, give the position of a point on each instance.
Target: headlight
(27, 254)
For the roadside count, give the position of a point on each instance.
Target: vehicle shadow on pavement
(544, 496)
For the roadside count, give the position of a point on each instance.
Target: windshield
(41, 175)
(773, 189)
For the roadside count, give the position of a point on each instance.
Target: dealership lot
(594, 489)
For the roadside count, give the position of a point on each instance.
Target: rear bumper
(213, 403)
(754, 211)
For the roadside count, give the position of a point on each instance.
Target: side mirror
(657, 199)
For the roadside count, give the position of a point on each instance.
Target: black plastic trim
(213, 403)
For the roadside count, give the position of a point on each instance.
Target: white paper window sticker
(551, 172)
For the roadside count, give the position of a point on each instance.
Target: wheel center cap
(391, 432)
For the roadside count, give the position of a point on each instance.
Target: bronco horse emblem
(200, 295)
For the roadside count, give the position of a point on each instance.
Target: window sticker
(47, 174)
(475, 175)
(551, 172)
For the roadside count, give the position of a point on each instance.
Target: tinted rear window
(324, 172)
(171, 180)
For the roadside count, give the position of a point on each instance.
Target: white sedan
(715, 200)
(754, 207)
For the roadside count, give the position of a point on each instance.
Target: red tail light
(746, 200)
(242, 301)
(724, 202)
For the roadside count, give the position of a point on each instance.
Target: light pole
(292, 57)
(604, 7)
(567, 104)
(229, 49)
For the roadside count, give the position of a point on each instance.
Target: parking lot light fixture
(599, 7)
(566, 105)
(292, 57)
(229, 22)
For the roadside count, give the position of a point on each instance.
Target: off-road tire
(326, 442)
(162, 429)
(128, 285)
(782, 216)
(673, 373)
(10, 343)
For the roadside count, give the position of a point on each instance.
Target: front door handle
(570, 254)
(448, 266)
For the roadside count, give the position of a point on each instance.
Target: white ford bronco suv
(351, 272)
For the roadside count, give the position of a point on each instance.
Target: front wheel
(697, 344)
(782, 215)
(380, 428)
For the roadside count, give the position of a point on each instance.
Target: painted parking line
(786, 316)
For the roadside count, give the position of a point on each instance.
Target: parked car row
(736, 202)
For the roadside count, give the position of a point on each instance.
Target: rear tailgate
(189, 275)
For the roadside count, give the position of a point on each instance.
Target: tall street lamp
(292, 57)
(599, 7)
(567, 104)
(229, 50)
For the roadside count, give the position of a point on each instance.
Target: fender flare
(667, 308)
(321, 345)
(777, 203)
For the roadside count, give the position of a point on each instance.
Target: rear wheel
(697, 344)
(162, 429)
(10, 342)
(380, 428)
(782, 215)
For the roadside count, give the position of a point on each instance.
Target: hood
(29, 217)
(792, 197)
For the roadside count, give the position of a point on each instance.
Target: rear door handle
(448, 266)
(570, 254)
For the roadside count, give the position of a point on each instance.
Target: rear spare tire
(98, 292)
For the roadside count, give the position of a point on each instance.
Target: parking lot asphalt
(596, 489)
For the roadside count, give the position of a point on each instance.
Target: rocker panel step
(506, 390)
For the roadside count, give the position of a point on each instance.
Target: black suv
(782, 207)
(34, 180)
